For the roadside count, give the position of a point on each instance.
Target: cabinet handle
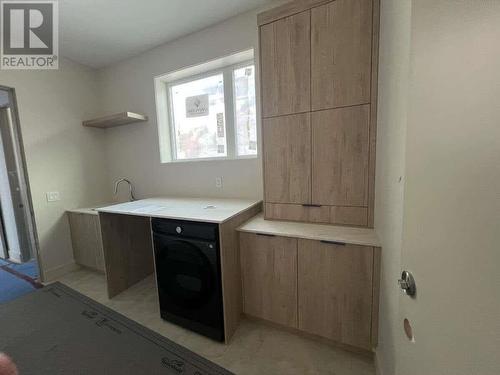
(334, 243)
(265, 235)
(311, 205)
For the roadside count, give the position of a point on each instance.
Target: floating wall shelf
(117, 119)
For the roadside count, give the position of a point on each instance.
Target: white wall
(132, 151)
(61, 155)
(451, 230)
(390, 170)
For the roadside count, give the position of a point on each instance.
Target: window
(197, 118)
(209, 115)
(244, 110)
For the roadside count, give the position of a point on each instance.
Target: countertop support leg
(128, 250)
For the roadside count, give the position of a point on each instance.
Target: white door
(451, 235)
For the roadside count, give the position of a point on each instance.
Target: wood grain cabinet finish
(285, 65)
(340, 139)
(319, 60)
(287, 159)
(86, 240)
(335, 291)
(341, 55)
(269, 272)
(356, 216)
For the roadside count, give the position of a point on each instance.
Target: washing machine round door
(185, 272)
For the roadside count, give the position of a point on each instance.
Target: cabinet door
(85, 239)
(269, 269)
(335, 291)
(285, 65)
(287, 159)
(341, 39)
(340, 142)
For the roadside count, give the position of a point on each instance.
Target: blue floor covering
(29, 268)
(13, 286)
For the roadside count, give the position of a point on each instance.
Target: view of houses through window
(213, 115)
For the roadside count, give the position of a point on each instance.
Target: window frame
(229, 112)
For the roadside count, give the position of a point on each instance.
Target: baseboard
(14, 257)
(57, 272)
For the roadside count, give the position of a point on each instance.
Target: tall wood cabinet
(318, 64)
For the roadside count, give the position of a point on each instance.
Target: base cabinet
(323, 288)
(335, 291)
(86, 240)
(269, 272)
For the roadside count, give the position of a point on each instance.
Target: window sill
(183, 161)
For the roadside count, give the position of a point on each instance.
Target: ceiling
(98, 33)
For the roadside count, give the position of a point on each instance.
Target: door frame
(4, 251)
(24, 181)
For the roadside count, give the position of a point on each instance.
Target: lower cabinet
(324, 288)
(269, 272)
(335, 291)
(86, 240)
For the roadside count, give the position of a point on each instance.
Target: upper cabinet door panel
(287, 159)
(286, 63)
(341, 33)
(340, 156)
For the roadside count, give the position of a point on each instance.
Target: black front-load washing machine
(188, 275)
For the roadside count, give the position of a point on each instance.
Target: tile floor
(256, 348)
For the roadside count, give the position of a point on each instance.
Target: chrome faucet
(117, 182)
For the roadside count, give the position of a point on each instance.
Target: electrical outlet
(218, 182)
(53, 196)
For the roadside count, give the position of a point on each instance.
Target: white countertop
(90, 210)
(321, 232)
(211, 210)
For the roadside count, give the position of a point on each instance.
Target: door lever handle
(407, 283)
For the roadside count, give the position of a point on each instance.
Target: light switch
(53, 196)
(218, 182)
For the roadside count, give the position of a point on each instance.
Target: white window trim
(163, 84)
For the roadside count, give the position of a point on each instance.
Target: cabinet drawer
(335, 286)
(269, 272)
(344, 215)
(340, 215)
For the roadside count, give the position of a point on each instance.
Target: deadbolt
(407, 283)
